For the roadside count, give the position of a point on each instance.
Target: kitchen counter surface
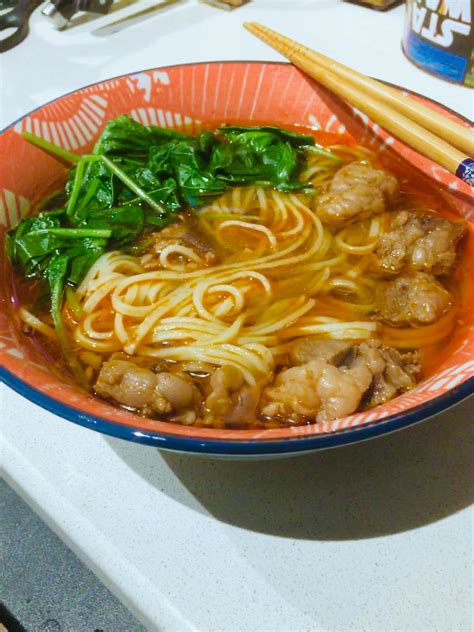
(373, 537)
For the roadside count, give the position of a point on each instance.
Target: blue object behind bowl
(438, 38)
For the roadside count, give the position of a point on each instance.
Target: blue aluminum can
(439, 38)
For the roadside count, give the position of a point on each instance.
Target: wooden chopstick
(404, 128)
(382, 112)
(458, 135)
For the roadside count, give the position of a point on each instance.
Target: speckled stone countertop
(44, 587)
(374, 537)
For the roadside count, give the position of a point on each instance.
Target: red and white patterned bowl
(185, 97)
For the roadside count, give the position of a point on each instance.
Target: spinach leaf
(185, 162)
(298, 140)
(125, 223)
(265, 154)
(82, 256)
(125, 135)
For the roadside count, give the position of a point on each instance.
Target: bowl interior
(189, 97)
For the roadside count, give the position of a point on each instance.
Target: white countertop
(374, 537)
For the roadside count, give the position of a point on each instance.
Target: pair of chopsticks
(443, 140)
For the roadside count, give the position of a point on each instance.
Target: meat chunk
(229, 399)
(171, 392)
(317, 391)
(294, 394)
(244, 406)
(223, 382)
(369, 374)
(143, 390)
(182, 233)
(126, 383)
(341, 390)
(331, 351)
(399, 373)
(424, 242)
(357, 191)
(413, 299)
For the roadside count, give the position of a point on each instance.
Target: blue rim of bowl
(234, 447)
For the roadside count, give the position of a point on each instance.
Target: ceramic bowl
(185, 97)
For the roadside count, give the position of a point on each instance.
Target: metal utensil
(61, 11)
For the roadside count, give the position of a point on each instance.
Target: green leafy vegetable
(265, 155)
(47, 249)
(123, 135)
(135, 181)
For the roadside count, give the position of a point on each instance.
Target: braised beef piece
(331, 351)
(182, 233)
(230, 399)
(145, 391)
(424, 242)
(413, 299)
(399, 375)
(356, 192)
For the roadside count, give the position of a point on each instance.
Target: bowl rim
(217, 61)
(235, 446)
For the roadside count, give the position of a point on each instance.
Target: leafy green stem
(56, 276)
(74, 233)
(51, 147)
(72, 301)
(315, 149)
(76, 187)
(88, 196)
(226, 215)
(132, 185)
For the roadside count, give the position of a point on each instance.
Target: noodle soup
(324, 289)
